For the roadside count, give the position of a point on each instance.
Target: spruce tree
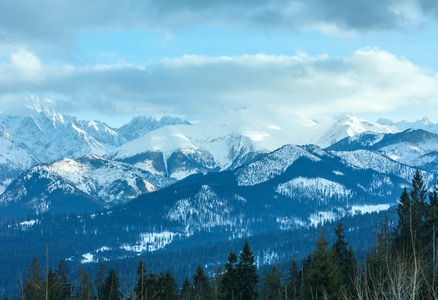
(111, 288)
(63, 277)
(34, 287)
(272, 288)
(54, 286)
(140, 287)
(84, 288)
(345, 261)
(413, 215)
(187, 291)
(247, 274)
(201, 284)
(323, 276)
(168, 289)
(229, 284)
(403, 230)
(151, 288)
(293, 281)
(99, 281)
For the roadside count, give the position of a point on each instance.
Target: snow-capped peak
(427, 121)
(348, 126)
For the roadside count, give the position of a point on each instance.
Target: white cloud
(370, 80)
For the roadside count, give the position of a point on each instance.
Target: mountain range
(156, 185)
(48, 157)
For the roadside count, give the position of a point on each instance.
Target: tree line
(401, 265)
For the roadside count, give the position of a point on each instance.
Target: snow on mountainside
(348, 126)
(425, 124)
(48, 135)
(214, 145)
(13, 160)
(416, 148)
(231, 141)
(96, 182)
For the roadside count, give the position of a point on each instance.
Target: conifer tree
(412, 211)
(54, 286)
(403, 236)
(201, 284)
(229, 283)
(151, 288)
(293, 281)
(323, 277)
(139, 289)
(111, 287)
(345, 261)
(84, 287)
(272, 288)
(247, 274)
(63, 276)
(168, 289)
(187, 291)
(34, 287)
(99, 281)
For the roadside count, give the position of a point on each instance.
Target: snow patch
(366, 209)
(318, 188)
(321, 217)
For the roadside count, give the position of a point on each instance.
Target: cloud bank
(59, 21)
(370, 80)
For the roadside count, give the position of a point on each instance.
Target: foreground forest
(401, 265)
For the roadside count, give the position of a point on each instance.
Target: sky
(197, 59)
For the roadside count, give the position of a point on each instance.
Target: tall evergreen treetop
(247, 274)
(34, 288)
(111, 288)
(323, 278)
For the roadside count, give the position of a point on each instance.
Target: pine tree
(229, 284)
(323, 277)
(201, 284)
(111, 287)
(247, 274)
(151, 288)
(54, 286)
(63, 276)
(34, 287)
(403, 231)
(418, 197)
(187, 291)
(84, 287)
(99, 281)
(139, 289)
(412, 211)
(168, 289)
(345, 261)
(293, 281)
(272, 288)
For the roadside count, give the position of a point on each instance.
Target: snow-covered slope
(95, 181)
(348, 126)
(416, 148)
(13, 160)
(226, 143)
(425, 124)
(49, 135)
(214, 145)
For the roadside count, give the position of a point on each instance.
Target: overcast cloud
(59, 21)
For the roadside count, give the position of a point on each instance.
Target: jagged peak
(427, 121)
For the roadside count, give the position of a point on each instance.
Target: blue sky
(199, 59)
